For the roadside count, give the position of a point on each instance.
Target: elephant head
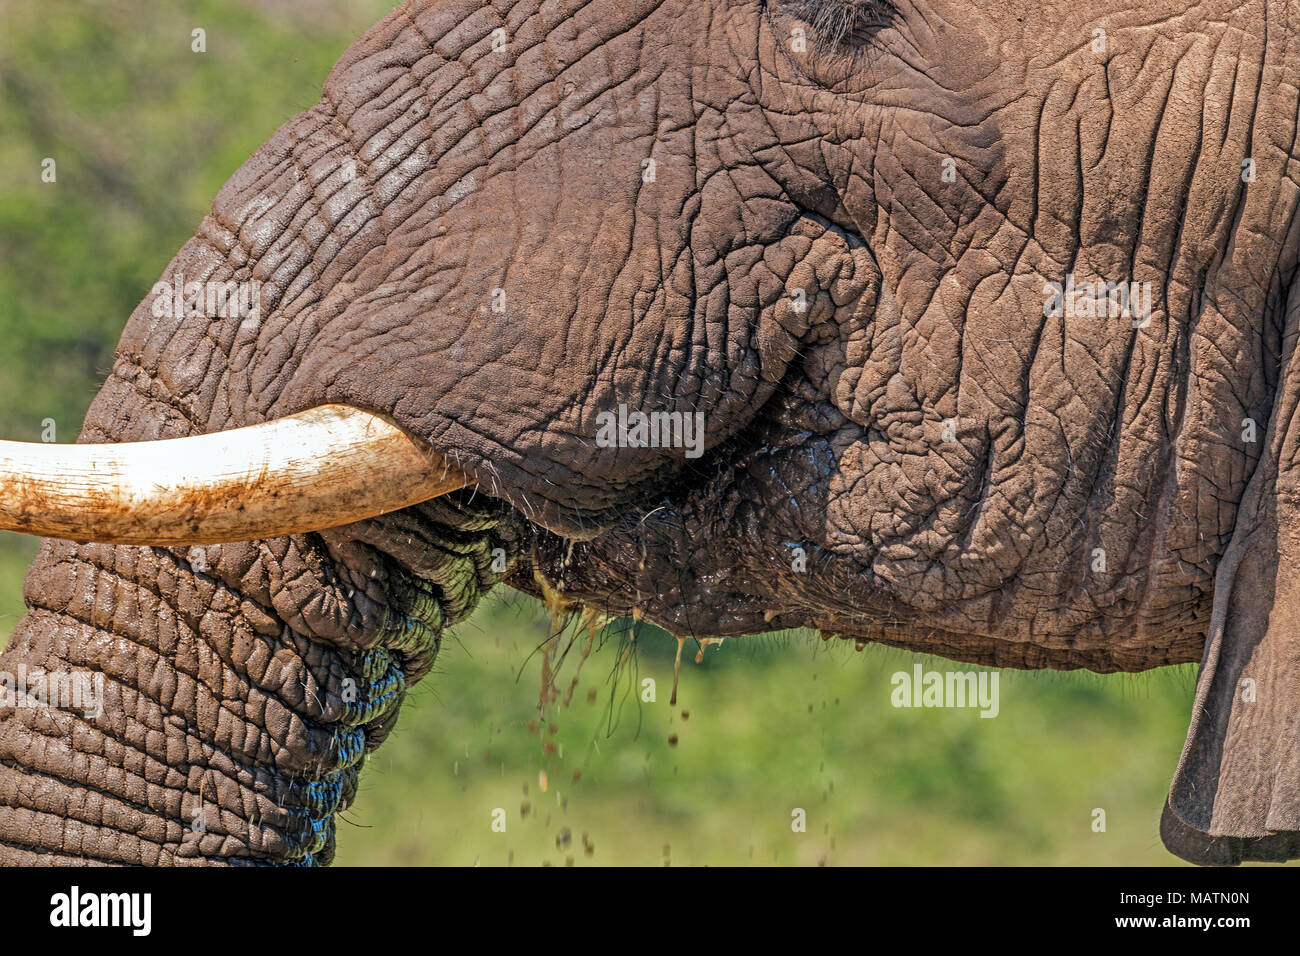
(962, 328)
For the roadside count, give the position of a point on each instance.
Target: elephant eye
(841, 23)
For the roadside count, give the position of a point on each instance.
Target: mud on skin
(470, 240)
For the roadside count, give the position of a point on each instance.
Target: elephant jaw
(321, 468)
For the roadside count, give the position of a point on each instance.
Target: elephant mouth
(325, 467)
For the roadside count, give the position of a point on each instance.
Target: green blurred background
(144, 132)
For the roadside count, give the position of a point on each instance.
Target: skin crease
(622, 207)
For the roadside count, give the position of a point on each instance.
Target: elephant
(965, 328)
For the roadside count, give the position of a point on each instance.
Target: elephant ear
(1236, 793)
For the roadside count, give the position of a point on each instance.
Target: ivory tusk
(321, 468)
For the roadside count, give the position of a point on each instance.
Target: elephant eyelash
(841, 25)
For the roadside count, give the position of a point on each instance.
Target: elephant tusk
(321, 468)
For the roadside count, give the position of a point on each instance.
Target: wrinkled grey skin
(965, 474)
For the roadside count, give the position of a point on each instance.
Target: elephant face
(965, 330)
(937, 461)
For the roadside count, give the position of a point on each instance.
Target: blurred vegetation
(144, 132)
(764, 725)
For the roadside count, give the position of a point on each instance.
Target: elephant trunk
(167, 704)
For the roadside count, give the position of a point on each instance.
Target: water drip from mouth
(677, 669)
(699, 659)
(562, 612)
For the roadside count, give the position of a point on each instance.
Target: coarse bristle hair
(834, 21)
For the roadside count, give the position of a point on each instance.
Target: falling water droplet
(677, 669)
